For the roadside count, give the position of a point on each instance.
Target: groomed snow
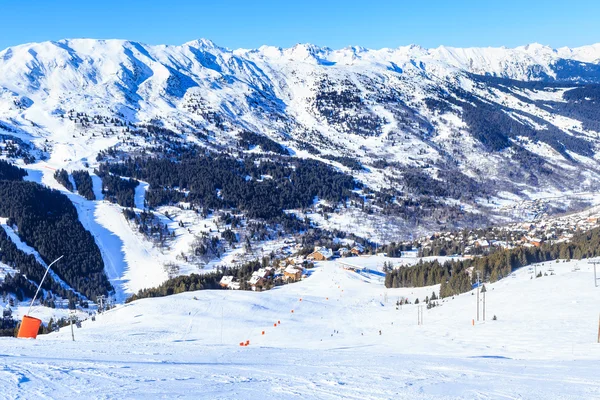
(542, 346)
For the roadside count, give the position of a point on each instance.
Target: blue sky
(333, 23)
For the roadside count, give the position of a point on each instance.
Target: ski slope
(542, 345)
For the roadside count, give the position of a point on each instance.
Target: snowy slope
(541, 347)
(200, 86)
(29, 250)
(392, 110)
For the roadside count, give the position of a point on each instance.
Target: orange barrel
(29, 327)
(263, 332)
(275, 325)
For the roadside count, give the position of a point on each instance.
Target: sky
(333, 23)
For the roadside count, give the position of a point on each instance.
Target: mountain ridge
(406, 116)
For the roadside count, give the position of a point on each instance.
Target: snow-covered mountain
(408, 105)
(407, 141)
(460, 134)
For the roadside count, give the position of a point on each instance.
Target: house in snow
(226, 281)
(255, 281)
(292, 273)
(482, 243)
(320, 254)
(537, 242)
(357, 250)
(263, 272)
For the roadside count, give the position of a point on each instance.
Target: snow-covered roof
(324, 251)
(226, 280)
(262, 272)
(292, 270)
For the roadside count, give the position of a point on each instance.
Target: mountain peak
(203, 44)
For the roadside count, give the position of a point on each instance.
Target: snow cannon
(29, 328)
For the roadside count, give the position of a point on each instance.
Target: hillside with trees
(46, 220)
(260, 188)
(455, 278)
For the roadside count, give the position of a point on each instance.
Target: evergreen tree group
(454, 278)
(46, 220)
(84, 184)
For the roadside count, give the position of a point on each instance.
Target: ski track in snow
(129, 261)
(187, 346)
(24, 247)
(172, 371)
(140, 195)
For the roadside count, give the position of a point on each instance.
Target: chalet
(533, 241)
(294, 261)
(357, 250)
(482, 243)
(292, 273)
(263, 272)
(500, 243)
(256, 280)
(320, 254)
(226, 281)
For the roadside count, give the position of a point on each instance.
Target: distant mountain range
(470, 128)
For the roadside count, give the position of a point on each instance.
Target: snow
(140, 83)
(24, 247)
(542, 346)
(140, 195)
(131, 262)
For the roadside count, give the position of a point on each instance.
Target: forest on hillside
(453, 276)
(261, 188)
(46, 220)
